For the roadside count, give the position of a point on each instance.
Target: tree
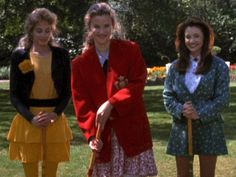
(152, 23)
(13, 14)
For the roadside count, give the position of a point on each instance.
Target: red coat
(90, 89)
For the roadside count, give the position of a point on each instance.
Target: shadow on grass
(229, 116)
(159, 119)
(78, 137)
(7, 112)
(6, 115)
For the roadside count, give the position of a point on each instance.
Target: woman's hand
(189, 111)
(96, 144)
(52, 116)
(103, 114)
(43, 119)
(121, 82)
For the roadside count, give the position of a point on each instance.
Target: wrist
(110, 105)
(53, 117)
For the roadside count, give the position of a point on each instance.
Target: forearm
(21, 108)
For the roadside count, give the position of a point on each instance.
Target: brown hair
(183, 52)
(39, 14)
(99, 9)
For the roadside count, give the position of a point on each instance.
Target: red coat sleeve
(126, 99)
(84, 109)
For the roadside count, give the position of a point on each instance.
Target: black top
(21, 84)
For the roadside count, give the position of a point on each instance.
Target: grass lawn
(160, 125)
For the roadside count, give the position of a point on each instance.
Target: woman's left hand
(103, 114)
(121, 82)
(48, 117)
(189, 111)
(96, 144)
(52, 116)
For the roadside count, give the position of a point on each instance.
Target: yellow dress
(29, 143)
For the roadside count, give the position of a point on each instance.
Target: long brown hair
(183, 52)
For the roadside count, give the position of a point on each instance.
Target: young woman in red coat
(112, 97)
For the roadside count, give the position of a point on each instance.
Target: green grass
(160, 125)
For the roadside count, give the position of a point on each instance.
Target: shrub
(216, 50)
(4, 72)
(156, 72)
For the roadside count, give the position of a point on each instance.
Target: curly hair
(39, 14)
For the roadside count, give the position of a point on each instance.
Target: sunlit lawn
(160, 125)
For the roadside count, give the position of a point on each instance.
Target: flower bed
(233, 72)
(156, 75)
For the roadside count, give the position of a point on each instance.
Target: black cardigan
(21, 84)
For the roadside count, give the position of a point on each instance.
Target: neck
(41, 50)
(195, 54)
(102, 48)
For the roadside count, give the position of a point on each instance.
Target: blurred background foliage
(152, 23)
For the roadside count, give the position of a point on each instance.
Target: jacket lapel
(96, 76)
(114, 64)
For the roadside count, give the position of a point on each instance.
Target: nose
(101, 31)
(192, 40)
(45, 34)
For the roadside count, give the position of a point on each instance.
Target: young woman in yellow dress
(40, 91)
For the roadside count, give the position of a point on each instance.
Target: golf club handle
(94, 154)
(190, 137)
(190, 147)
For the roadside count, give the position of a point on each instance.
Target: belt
(43, 102)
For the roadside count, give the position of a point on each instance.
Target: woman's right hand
(96, 144)
(103, 114)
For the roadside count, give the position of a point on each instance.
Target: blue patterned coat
(210, 98)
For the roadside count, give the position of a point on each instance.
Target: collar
(194, 59)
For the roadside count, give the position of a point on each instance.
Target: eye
(187, 36)
(107, 25)
(196, 35)
(48, 30)
(96, 26)
(38, 30)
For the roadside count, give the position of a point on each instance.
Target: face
(194, 40)
(101, 29)
(42, 33)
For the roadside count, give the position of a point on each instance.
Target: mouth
(193, 46)
(102, 36)
(44, 40)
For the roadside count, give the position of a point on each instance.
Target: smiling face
(42, 33)
(101, 28)
(194, 38)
